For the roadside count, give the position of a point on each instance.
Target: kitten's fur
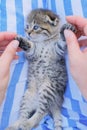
(47, 74)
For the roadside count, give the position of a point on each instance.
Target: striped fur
(74, 104)
(47, 74)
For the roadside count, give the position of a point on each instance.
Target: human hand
(78, 57)
(10, 46)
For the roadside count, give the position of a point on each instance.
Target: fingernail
(15, 44)
(85, 30)
(67, 33)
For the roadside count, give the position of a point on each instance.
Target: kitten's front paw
(69, 27)
(24, 43)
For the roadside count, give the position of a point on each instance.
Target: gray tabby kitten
(47, 76)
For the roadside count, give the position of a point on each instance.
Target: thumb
(9, 53)
(72, 44)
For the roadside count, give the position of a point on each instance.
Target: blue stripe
(72, 123)
(83, 119)
(75, 128)
(53, 6)
(19, 17)
(75, 106)
(84, 7)
(67, 7)
(34, 4)
(3, 19)
(68, 91)
(10, 95)
(65, 112)
(0, 18)
(45, 4)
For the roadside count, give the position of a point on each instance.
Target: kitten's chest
(43, 52)
(43, 58)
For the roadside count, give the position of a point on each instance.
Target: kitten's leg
(24, 43)
(33, 121)
(44, 100)
(69, 27)
(39, 114)
(57, 119)
(28, 106)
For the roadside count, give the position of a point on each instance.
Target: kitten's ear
(53, 22)
(56, 21)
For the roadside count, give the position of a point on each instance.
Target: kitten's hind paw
(69, 27)
(12, 128)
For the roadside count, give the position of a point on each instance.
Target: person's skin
(78, 57)
(8, 48)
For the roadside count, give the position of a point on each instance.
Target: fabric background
(12, 18)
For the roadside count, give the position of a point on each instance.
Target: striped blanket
(12, 18)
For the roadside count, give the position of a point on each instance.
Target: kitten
(45, 51)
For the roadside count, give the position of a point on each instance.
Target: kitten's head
(42, 24)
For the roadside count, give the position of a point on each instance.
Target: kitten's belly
(46, 69)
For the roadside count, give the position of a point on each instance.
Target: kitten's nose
(29, 32)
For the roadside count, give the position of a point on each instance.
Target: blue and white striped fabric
(12, 18)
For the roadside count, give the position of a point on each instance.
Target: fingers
(83, 42)
(7, 36)
(3, 48)
(9, 53)
(72, 44)
(77, 20)
(80, 22)
(85, 29)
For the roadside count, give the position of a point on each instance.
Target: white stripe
(64, 121)
(60, 9)
(67, 103)
(83, 108)
(76, 7)
(68, 128)
(40, 4)
(12, 67)
(73, 115)
(23, 75)
(80, 126)
(26, 7)
(11, 15)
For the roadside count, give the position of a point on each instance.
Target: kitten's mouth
(28, 36)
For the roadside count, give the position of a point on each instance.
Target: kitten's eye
(35, 27)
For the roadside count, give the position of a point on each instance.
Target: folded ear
(53, 22)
